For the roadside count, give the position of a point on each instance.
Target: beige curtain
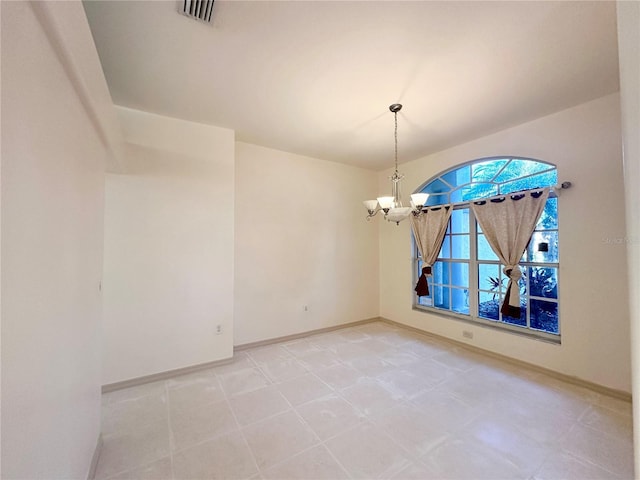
(429, 229)
(508, 223)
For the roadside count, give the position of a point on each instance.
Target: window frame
(474, 290)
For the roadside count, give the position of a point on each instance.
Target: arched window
(468, 280)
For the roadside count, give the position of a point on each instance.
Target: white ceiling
(317, 77)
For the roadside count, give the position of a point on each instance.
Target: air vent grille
(198, 9)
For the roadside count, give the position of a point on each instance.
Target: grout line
(244, 439)
(171, 449)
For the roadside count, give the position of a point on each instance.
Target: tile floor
(372, 401)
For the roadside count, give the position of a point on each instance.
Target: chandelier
(391, 205)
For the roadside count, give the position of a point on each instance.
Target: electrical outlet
(467, 334)
(218, 329)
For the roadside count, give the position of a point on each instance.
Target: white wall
(628, 41)
(584, 142)
(168, 268)
(53, 160)
(301, 239)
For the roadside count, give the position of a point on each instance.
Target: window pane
(437, 199)
(549, 218)
(543, 282)
(460, 246)
(426, 301)
(484, 250)
(445, 251)
(441, 297)
(541, 180)
(489, 277)
(544, 316)
(522, 321)
(459, 176)
(460, 221)
(485, 171)
(478, 190)
(541, 241)
(520, 168)
(460, 274)
(460, 300)
(488, 306)
(441, 273)
(436, 187)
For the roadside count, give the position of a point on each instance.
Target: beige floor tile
(339, 376)
(425, 349)
(398, 357)
(126, 451)
(326, 340)
(431, 371)
(458, 459)
(397, 338)
(319, 360)
(462, 361)
(243, 381)
(225, 458)
(189, 427)
(131, 393)
(278, 438)
(540, 392)
(375, 345)
(559, 466)
(206, 376)
(414, 408)
(472, 388)
(446, 411)
(259, 404)
(283, 368)
(189, 395)
(403, 383)
(367, 452)
(612, 423)
(134, 413)
(369, 397)
(370, 365)
(268, 353)
(158, 470)
(353, 334)
(313, 464)
(610, 453)
(411, 429)
(513, 445)
(329, 416)
(350, 350)
(416, 471)
(301, 348)
(304, 389)
(545, 425)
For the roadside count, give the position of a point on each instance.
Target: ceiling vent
(198, 9)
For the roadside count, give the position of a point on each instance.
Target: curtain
(429, 229)
(508, 223)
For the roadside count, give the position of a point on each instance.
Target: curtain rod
(553, 193)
